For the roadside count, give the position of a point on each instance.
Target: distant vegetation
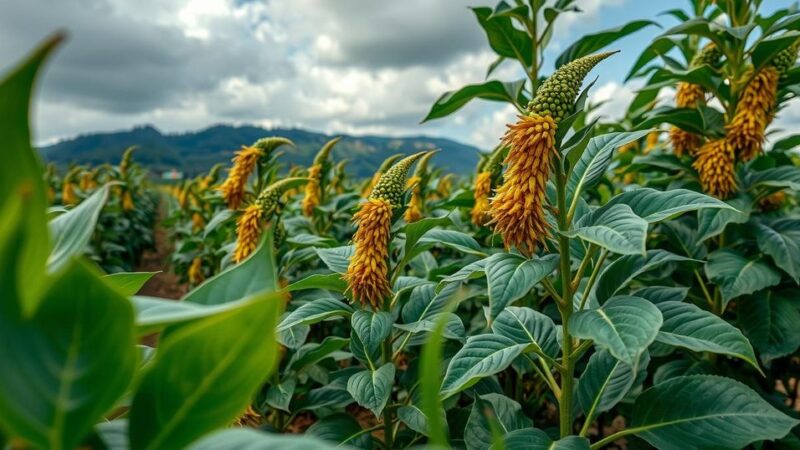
(197, 152)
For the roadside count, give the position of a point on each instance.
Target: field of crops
(629, 284)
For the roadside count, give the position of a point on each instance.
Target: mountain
(196, 152)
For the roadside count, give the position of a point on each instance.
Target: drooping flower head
(517, 208)
(488, 174)
(753, 113)
(244, 164)
(367, 272)
(316, 176)
(715, 165)
(125, 162)
(251, 223)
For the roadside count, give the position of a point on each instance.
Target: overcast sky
(337, 66)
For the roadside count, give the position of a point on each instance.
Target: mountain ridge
(196, 151)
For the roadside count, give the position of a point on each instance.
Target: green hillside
(197, 151)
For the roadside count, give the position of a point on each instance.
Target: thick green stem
(565, 307)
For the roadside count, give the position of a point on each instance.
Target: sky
(335, 66)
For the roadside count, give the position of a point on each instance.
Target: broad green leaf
(591, 43)
(414, 231)
(218, 219)
(21, 172)
(372, 388)
(660, 294)
(205, 374)
(72, 231)
(504, 38)
(68, 363)
(595, 160)
(705, 411)
(535, 439)
(128, 283)
(686, 325)
(240, 438)
(712, 221)
(472, 270)
(770, 321)
(778, 177)
(424, 301)
(493, 90)
(527, 326)
(372, 328)
(764, 50)
(114, 434)
(453, 239)
(454, 327)
(482, 356)
(279, 396)
(153, 314)
(337, 258)
(606, 380)
(780, 239)
(415, 419)
(257, 273)
(655, 206)
(341, 429)
(504, 412)
(737, 275)
(316, 311)
(331, 282)
(625, 325)
(511, 276)
(621, 272)
(615, 228)
(314, 352)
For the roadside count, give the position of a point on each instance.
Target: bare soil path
(164, 284)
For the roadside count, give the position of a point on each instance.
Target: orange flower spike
(715, 165)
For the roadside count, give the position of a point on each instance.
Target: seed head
(786, 58)
(753, 113)
(715, 165)
(482, 190)
(244, 163)
(391, 184)
(366, 274)
(312, 191)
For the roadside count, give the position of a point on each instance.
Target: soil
(164, 284)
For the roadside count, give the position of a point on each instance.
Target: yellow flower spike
(414, 210)
(689, 95)
(312, 191)
(68, 196)
(444, 185)
(772, 202)
(244, 163)
(651, 142)
(195, 272)
(517, 208)
(197, 222)
(753, 113)
(482, 190)
(367, 273)
(715, 165)
(127, 201)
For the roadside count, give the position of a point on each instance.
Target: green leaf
(72, 231)
(331, 282)
(737, 275)
(239, 438)
(314, 352)
(705, 121)
(372, 328)
(279, 396)
(606, 380)
(511, 276)
(655, 206)
(764, 50)
(504, 38)
(615, 228)
(341, 429)
(415, 419)
(482, 356)
(770, 321)
(625, 325)
(780, 239)
(337, 258)
(526, 326)
(504, 412)
(429, 385)
(128, 283)
(316, 311)
(624, 269)
(591, 43)
(68, 363)
(705, 411)
(778, 177)
(371, 389)
(21, 172)
(472, 270)
(205, 374)
(535, 439)
(218, 219)
(454, 327)
(594, 161)
(453, 239)
(493, 90)
(686, 325)
(257, 273)
(712, 221)
(153, 314)
(661, 294)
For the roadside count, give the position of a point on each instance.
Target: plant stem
(592, 279)
(565, 307)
